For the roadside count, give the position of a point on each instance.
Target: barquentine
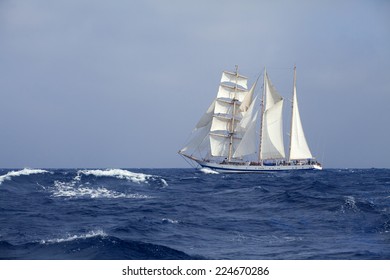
(227, 138)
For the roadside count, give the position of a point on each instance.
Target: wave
(23, 172)
(95, 245)
(165, 184)
(206, 170)
(121, 174)
(350, 203)
(70, 190)
(117, 173)
(89, 234)
(79, 188)
(170, 221)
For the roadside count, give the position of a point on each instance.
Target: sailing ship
(241, 132)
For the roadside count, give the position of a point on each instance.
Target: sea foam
(25, 172)
(70, 190)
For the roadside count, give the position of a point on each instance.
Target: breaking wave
(122, 174)
(117, 173)
(23, 172)
(165, 184)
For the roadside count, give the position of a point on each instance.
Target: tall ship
(242, 131)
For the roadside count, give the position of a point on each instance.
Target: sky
(121, 84)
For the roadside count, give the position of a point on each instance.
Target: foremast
(218, 133)
(228, 113)
(231, 128)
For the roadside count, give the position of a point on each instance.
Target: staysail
(247, 128)
(200, 134)
(298, 144)
(271, 142)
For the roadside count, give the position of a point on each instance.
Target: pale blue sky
(122, 83)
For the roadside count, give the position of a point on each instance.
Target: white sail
(220, 145)
(222, 125)
(207, 117)
(234, 78)
(247, 101)
(298, 144)
(198, 140)
(228, 93)
(248, 117)
(200, 132)
(248, 143)
(222, 107)
(220, 137)
(227, 114)
(272, 146)
(271, 94)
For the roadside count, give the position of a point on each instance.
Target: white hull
(247, 168)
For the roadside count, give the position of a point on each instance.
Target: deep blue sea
(192, 214)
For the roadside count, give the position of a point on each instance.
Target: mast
(262, 115)
(292, 110)
(231, 132)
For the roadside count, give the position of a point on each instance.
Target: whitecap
(116, 173)
(171, 221)
(350, 203)
(164, 182)
(90, 234)
(206, 170)
(25, 172)
(70, 190)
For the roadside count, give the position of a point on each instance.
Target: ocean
(194, 214)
